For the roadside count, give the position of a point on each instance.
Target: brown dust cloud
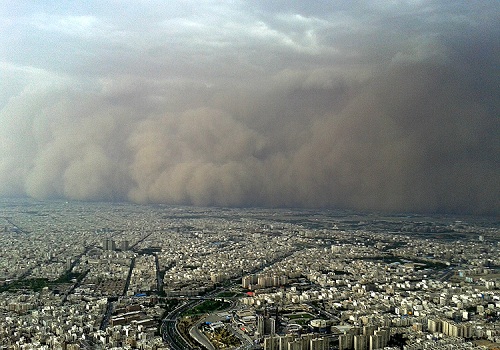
(275, 106)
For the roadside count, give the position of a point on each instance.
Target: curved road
(195, 333)
(169, 327)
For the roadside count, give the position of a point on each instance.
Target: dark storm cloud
(364, 105)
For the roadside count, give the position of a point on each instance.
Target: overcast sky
(372, 105)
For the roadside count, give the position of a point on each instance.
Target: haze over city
(370, 105)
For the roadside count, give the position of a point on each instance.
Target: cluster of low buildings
(359, 287)
(96, 275)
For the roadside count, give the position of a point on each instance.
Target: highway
(195, 333)
(168, 327)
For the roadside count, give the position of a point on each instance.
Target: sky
(368, 105)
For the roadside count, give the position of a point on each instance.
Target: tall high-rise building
(319, 344)
(124, 245)
(346, 341)
(376, 342)
(108, 244)
(271, 325)
(434, 326)
(385, 334)
(360, 342)
(271, 343)
(261, 325)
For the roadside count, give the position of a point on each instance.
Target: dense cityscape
(77, 275)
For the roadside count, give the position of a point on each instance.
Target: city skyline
(364, 105)
(80, 275)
